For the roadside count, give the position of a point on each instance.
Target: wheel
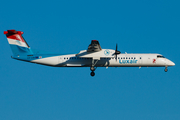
(165, 69)
(92, 73)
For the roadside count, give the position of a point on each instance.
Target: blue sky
(30, 91)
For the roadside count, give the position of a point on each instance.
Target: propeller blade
(116, 51)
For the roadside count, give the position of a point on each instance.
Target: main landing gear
(92, 68)
(165, 69)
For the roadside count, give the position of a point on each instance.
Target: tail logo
(17, 42)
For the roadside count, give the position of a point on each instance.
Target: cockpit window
(160, 56)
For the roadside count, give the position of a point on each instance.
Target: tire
(92, 74)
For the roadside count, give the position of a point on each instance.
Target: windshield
(160, 56)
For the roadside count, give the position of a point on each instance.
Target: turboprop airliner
(93, 57)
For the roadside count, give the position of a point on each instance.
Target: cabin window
(140, 58)
(134, 57)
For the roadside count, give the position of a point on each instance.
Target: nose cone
(171, 63)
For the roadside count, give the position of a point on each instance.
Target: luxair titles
(128, 61)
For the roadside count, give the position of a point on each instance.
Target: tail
(17, 43)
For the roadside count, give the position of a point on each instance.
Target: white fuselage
(102, 59)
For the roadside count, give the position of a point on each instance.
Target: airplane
(93, 57)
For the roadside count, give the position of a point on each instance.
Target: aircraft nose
(171, 63)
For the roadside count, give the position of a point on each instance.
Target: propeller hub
(117, 52)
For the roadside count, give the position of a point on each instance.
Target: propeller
(116, 51)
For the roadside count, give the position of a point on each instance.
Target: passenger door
(61, 59)
(140, 60)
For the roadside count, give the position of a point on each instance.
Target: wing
(94, 46)
(94, 51)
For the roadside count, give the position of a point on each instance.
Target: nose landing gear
(166, 69)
